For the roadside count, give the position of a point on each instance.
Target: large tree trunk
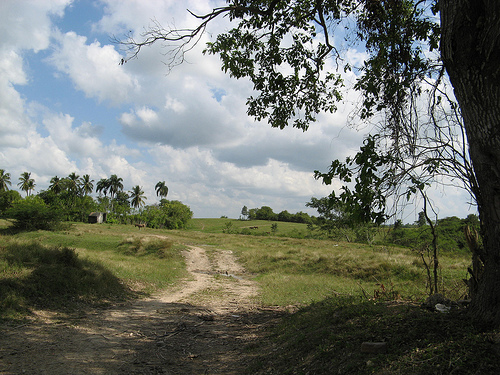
(470, 48)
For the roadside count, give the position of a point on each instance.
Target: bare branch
(180, 40)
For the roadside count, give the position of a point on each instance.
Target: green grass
(289, 270)
(314, 269)
(251, 227)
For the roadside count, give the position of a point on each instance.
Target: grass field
(295, 270)
(254, 227)
(289, 270)
(346, 291)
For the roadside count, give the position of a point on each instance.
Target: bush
(169, 215)
(7, 198)
(246, 231)
(450, 233)
(32, 213)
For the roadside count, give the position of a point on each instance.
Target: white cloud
(11, 67)
(93, 68)
(125, 15)
(13, 122)
(27, 24)
(192, 171)
(78, 142)
(195, 119)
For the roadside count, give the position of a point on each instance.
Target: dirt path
(205, 327)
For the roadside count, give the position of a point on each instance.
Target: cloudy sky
(66, 105)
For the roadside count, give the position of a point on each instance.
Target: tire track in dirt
(200, 328)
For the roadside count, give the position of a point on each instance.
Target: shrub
(246, 231)
(228, 228)
(169, 214)
(32, 213)
(7, 198)
(159, 247)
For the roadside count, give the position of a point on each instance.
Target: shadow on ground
(35, 276)
(176, 338)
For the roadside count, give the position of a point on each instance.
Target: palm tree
(26, 183)
(87, 184)
(73, 183)
(56, 184)
(161, 189)
(102, 186)
(4, 180)
(115, 185)
(137, 197)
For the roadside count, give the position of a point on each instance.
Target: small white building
(97, 217)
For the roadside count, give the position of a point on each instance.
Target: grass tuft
(142, 246)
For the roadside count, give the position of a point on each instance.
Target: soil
(212, 324)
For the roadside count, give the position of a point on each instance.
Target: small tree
(102, 186)
(168, 214)
(121, 203)
(398, 224)
(421, 219)
(86, 184)
(252, 214)
(285, 216)
(431, 250)
(115, 185)
(301, 217)
(72, 183)
(56, 184)
(7, 198)
(265, 213)
(228, 228)
(244, 212)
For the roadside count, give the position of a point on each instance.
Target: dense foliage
(450, 232)
(33, 213)
(267, 213)
(7, 198)
(168, 214)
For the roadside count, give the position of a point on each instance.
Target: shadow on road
(177, 338)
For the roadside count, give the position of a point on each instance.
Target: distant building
(97, 217)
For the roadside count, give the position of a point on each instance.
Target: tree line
(68, 198)
(267, 213)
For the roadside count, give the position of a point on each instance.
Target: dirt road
(207, 326)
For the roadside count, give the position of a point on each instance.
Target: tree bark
(470, 49)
